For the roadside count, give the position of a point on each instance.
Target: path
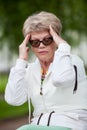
(12, 124)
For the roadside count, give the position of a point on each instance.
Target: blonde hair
(41, 21)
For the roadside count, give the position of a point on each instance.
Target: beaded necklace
(42, 79)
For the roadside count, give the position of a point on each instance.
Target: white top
(25, 81)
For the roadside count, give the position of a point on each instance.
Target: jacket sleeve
(63, 71)
(16, 88)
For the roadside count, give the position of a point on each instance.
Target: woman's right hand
(23, 49)
(57, 39)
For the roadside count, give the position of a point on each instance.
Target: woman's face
(43, 52)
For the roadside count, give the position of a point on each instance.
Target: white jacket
(25, 81)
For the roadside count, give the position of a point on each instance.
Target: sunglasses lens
(35, 43)
(47, 41)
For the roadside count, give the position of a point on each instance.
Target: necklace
(42, 79)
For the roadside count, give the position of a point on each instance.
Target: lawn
(8, 111)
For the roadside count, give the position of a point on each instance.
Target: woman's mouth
(43, 52)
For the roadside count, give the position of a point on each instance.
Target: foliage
(14, 12)
(3, 81)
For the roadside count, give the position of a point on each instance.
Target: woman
(56, 82)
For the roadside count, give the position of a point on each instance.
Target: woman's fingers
(56, 37)
(54, 34)
(26, 40)
(23, 49)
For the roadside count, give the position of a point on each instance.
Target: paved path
(12, 124)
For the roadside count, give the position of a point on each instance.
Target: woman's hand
(57, 39)
(23, 49)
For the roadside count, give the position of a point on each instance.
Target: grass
(8, 111)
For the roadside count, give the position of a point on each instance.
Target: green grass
(8, 111)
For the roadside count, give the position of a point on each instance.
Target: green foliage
(14, 12)
(3, 82)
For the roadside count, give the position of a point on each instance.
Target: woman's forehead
(39, 34)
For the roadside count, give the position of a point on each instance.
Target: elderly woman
(56, 82)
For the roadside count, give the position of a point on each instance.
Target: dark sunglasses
(45, 41)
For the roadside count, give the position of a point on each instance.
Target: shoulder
(76, 60)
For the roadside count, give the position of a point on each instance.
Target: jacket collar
(38, 66)
(37, 70)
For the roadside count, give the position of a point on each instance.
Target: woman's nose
(42, 45)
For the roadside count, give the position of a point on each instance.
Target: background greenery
(73, 15)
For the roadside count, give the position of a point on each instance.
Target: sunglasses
(45, 41)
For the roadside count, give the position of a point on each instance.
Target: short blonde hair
(40, 22)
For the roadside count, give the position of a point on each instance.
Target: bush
(3, 82)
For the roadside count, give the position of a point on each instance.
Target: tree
(13, 13)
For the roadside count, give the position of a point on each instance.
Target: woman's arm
(16, 89)
(63, 64)
(63, 70)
